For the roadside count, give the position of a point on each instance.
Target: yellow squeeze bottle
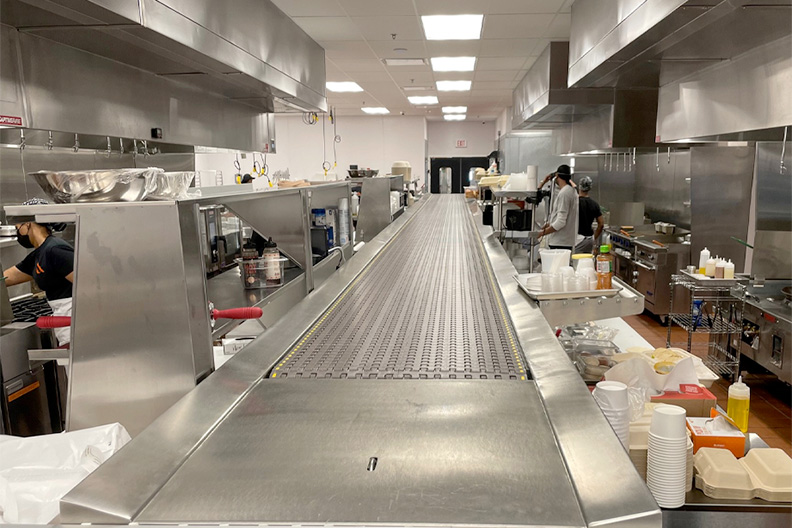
(739, 404)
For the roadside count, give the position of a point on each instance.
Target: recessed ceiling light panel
(446, 64)
(423, 99)
(453, 86)
(375, 110)
(454, 117)
(417, 88)
(404, 62)
(454, 109)
(452, 27)
(343, 87)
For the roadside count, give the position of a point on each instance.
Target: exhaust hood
(542, 99)
(246, 51)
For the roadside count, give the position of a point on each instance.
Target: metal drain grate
(426, 308)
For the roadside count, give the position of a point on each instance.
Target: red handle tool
(53, 321)
(237, 313)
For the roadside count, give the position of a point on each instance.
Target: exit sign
(461, 143)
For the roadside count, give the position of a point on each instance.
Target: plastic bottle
(272, 263)
(710, 269)
(728, 270)
(703, 258)
(739, 404)
(604, 269)
(719, 269)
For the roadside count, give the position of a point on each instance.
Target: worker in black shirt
(50, 265)
(588, 211)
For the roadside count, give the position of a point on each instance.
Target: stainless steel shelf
(569, 311)
(719, 326)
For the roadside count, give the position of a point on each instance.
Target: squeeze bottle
(728, 270)
(703, 258)
(710, 269)
(739, 403)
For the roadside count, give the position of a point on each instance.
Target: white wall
(369, 142)
(443, 136)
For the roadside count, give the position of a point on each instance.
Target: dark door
(460, 168)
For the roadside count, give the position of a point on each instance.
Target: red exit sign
(461, 143)
(10, 121)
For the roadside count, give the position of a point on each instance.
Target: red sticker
(10, 120)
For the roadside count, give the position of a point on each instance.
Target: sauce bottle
(719, 269)
(739, 404)
(703, 258)
(710, 269)
(604, 269)
(728, 270)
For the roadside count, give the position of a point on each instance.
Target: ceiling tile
(386, 49)
(317, 8)
(453, 48)
(449, 7)
(453, 76)
(355, 8)
(523, 6)
(491, 93)
(376, 76)
(334, 73)
(492, 85)
(516, 26)
(559, 28)
(567, 6)
(328, 28)
(499, 63)
(494, 75)
(408, 78)
(358, 65)
(510, 47)
(382, 28)
(347, 49)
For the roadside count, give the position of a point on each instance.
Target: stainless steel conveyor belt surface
(427, 307)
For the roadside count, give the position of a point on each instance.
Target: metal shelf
(719, 326)
(569, 311)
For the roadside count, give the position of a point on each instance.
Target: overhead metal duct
(542, 99)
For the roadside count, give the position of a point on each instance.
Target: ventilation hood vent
(542, 99)
(249, 52)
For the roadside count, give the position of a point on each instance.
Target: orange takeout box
(702, 436)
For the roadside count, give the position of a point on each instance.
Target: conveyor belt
(426, 308)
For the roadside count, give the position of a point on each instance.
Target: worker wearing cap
(562, 227)
(589, 211)
(50, 265)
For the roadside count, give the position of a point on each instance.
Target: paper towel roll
(533, 174)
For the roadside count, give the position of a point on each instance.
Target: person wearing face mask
(562, 227)
(50, 265)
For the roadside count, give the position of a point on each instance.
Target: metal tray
(703, 280)
(557, 296)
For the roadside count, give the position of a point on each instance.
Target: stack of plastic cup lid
(666, 458)
(611, 396)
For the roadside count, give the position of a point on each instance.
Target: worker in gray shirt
(562, 227)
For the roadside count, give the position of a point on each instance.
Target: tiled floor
(771, 412)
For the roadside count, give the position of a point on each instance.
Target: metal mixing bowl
(362, 173)
(114, 185)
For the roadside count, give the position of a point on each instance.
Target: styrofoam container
(720, 476)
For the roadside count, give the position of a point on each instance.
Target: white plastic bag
(36, 472)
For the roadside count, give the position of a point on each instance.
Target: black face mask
(24, 240)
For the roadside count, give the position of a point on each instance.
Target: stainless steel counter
(245, 447)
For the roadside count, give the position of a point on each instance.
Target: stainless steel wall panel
(519, 152)
(12, 93)
(771, 255)
(109, 270)
(665, 191)
(721, 181)
(750, 92)
(773, 187)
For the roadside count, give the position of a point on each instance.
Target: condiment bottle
(739, 403)
(728, 270)
(710, 269)
(719, 269)
(604, 269)
(703, 258)
(272, 264)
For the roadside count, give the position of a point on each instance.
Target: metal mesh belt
(425, 308)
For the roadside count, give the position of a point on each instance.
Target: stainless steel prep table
(490, 447)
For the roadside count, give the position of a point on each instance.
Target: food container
(112, 185)
(260, 273)
(593, 357)
(362, 173)
(168, 185)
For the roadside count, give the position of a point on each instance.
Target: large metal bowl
(113, 185)
(362, 173)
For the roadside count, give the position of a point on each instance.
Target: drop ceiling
(358, 34)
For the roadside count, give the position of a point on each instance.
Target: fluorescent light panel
(454, 109)
(447, 64)
(453, 86)
(375, 110)
(404, 62)
(417, 88)
(454, 117)
(423, 99)
(343, 87)
(452, 27)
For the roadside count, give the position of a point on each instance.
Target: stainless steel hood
(542, 99)
(654, 42)
(247, 51)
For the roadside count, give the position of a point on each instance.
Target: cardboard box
(703, 436)
(696, 400)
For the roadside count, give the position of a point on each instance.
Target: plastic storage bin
(261, 272)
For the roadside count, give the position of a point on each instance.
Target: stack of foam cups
(666, 457)
(611, 396)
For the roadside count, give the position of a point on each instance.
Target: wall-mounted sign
(461, 143)
(10, 121)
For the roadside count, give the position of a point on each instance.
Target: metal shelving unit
(719, 315)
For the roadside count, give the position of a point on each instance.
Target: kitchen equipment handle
(238, 313)
(644, 266)
(658, 243)
(53, 321)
